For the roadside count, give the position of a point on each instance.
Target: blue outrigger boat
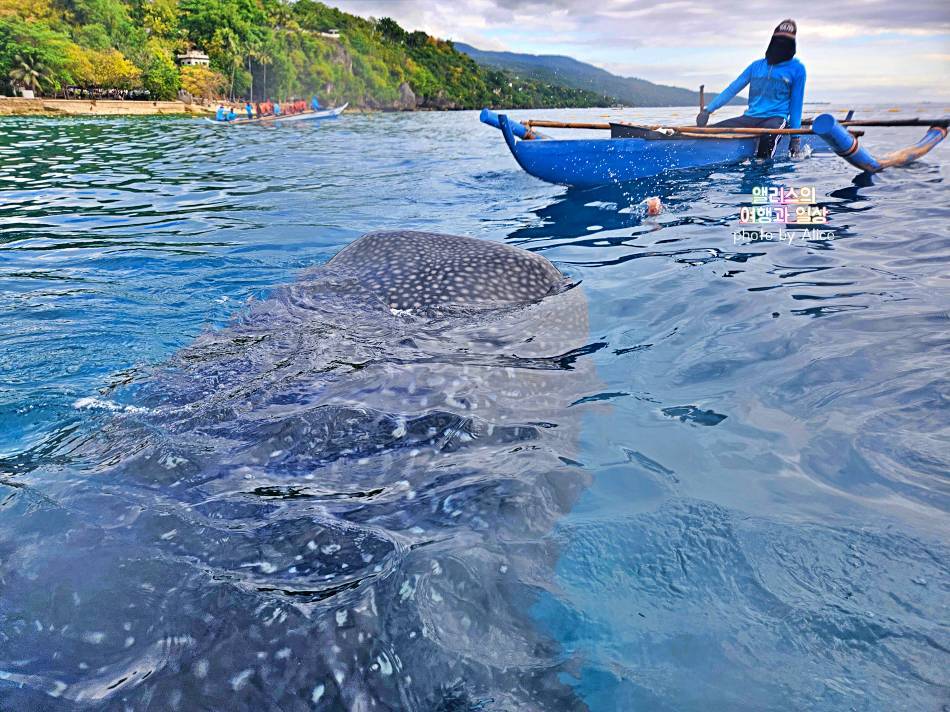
(284, 118)
(649, 151)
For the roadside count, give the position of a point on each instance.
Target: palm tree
(251, 52)
(233, 48)
(28, 72)
(229, 46)
(264, 58)
(255, 50)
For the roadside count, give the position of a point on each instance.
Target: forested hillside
(258, 48)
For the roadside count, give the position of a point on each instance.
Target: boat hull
(286, 118)
(313, 115)
(594, 162)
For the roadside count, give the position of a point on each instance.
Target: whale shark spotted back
(412, 270)
(328, 505)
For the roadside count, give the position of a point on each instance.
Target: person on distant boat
(276, 108)
(258, 107)
(219, 115)
(776, 91)
(249, 109)
(231, 115)
(314, 104)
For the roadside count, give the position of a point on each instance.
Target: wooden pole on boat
(705, 130)
(710, 130)
(702, 97)
(898, 122)
(713, 130)
(565, 124)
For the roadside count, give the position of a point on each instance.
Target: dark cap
(786, 28)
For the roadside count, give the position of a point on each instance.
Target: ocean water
(711, 475)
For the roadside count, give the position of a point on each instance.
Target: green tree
(111, 15)
(113, 70)
(92, 36)
(29, 72)
(391, 30)
(37, 41)
(202, 81)
(158, 17)
(227, 46)
(161, 77)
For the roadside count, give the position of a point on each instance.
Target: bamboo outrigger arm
(846, 145)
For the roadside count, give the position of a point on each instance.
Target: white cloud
(850, 46)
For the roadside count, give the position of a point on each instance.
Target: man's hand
(702, 118)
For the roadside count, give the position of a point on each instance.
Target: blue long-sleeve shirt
(775, 90)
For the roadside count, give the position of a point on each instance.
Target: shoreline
(18, 106)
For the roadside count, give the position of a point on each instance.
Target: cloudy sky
(856, 50)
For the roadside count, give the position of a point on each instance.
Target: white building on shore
(193, 58)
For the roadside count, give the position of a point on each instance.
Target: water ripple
(228, 481)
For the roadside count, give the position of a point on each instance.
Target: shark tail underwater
(342, 500)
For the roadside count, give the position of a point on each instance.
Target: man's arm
(738, 85)
(798, 98)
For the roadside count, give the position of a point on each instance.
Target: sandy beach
(17, 106)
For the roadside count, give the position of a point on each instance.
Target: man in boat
(249, 109)
(776, 91)
(314, 104)
(219, 115)
(231, 115)
(276, 108)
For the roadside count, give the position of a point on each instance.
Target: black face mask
(781, 49)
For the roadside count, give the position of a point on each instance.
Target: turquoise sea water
(724, 488)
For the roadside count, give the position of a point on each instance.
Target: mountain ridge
(562, 69)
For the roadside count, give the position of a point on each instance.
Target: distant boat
(286, 118)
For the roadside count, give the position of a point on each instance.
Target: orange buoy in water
(654, 206)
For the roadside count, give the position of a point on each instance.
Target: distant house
(193, 58)
(332, 34)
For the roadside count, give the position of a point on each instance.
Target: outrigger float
(285, 118)
(635, 151)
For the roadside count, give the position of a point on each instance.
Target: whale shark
(340, 500)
